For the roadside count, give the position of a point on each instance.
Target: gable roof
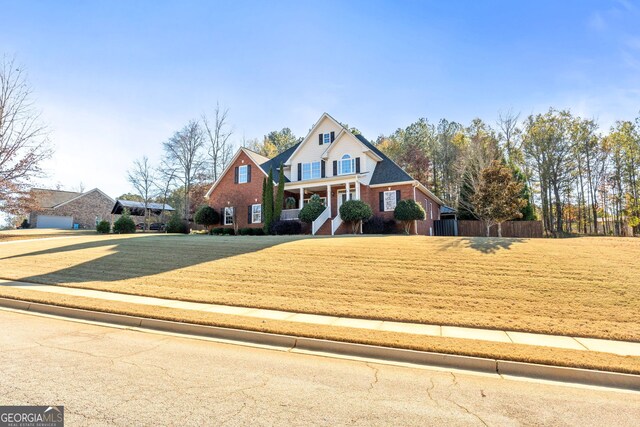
(49, 198)
(137, 208)
(387, 170)
(312, 131)
(256, 158)
(280, 158)
(80, 195)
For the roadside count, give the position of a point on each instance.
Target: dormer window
(326, 138)
(346, 165)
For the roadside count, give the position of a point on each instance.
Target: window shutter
(333, 136)
(299, 171)
(381, 194)
(235, 179)
(248, 173)
(335, 168)
(249, 215)
(320, 138)
(222, 216)
(357, 164)
(322, 169)
(397, 196)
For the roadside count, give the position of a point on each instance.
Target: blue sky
(114, 79)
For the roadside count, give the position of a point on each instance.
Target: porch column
(357, 184)
(329, 200)
(301, 198)
(347, 190)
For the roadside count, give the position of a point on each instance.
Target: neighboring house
(64, 209)
(137, 210)
(331, 162)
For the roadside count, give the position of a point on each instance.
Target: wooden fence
(525, 229)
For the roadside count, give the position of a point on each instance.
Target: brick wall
(83, 210)
(238, 196)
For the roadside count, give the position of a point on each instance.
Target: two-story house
(331, 162)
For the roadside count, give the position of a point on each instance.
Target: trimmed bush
(406, 212)
(228, 232)
(207, 216)
(374, 225)
(177, 225)
(312, 210)
(290, 203)
(124, 224)
(103, 227)
(216, 231)
(258, 231)
(246, 231)
(281, 228)
(354, 212)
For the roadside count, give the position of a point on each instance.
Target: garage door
(49, 221)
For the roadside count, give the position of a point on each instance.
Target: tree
(166, 176)
(355, 212)
(219, 148)
(124, 224)
(274, 143)
(207, 216)
(498, 196)
(407, 211)
(311, 210)
(23, 140)
(267, 197)
(279, 202)
(183, 151)
(142, 179)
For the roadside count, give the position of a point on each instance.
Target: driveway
(113, 376)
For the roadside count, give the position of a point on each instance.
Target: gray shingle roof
(137, 208)
(386, 171)
(275, 162)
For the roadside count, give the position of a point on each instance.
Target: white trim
(415, 183)
(366, 150)
(228, 167)
(80, 196)
(252, 213)
(246, 174)
(384, 200)
(312, 132)
(233, 212)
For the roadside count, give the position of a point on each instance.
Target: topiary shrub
(103, 227)
(228, 232)
(312, 210)
(281, 228)
(207, 216)
(354, 212)
(406, 212)
(177, 225)
(124, 225)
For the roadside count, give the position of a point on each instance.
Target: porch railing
(289, 214)
(335, 223)
(324, 216)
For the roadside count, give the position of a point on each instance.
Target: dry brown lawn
(40, 233)
(581, 286)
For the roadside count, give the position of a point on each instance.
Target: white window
(228, 216)
(310, 170)
(326, 138)
(242, 174)
(430, 210)
(256, 214)
(346, 165)
(389, 200)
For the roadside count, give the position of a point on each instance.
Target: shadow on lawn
(128, 258)
(486, 245)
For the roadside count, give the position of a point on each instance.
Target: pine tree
(277, 208)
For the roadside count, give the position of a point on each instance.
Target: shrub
(258, 231)
(124, 224)
(207, 216)
(25, 224)
(246, 231)
(390, 226)
(281, 228)
(177, 225)
(216, 231)
(354, 212)
(228, 232)
(406, 212)
(103, 227)
(312, 210)
(374, 225)
(290, 203)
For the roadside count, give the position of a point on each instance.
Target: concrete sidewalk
(574, 343)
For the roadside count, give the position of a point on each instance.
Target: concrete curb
(478, 364)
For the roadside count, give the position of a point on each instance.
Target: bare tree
(183, 151)
(509, 134)
(218, 134)
(23, 139)
(142, 178)
(166, 177)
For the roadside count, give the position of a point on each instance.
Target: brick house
(63, 209)
(331, 162)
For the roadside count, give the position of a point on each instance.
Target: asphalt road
(110, 376)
